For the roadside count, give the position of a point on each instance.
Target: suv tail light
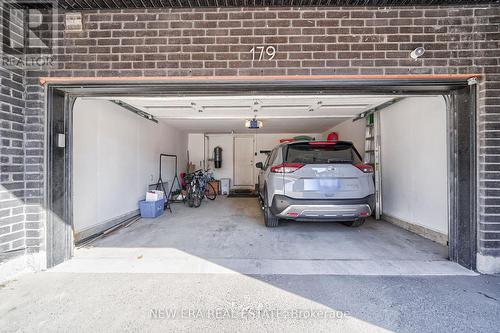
(286, 167)
(322, 143)
(366, 168)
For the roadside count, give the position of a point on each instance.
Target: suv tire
(270, 220)
(354, 224)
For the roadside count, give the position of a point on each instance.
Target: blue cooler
(152, 208)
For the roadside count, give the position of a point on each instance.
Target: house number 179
(263, 52)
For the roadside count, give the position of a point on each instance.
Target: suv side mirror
(259, 165)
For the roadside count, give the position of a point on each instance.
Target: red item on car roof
(333, 136)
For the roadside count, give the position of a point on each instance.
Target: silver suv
(316, 181)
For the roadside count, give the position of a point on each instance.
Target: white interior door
(243, 161)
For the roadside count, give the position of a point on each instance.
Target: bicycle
(199, 187)
(193, 198)
(209, 190)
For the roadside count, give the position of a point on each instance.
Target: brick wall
(309, 41)
(12, 211)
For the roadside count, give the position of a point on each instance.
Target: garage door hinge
(472, 81)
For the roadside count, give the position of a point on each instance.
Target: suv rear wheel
(270, 220)
(354, 224)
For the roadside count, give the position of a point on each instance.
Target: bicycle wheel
(190, 194)
(210, 192)
(190, 199)
(197, 200)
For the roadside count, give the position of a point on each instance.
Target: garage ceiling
(118, 4)
(279, 113)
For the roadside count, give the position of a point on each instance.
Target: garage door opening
(405, 137)
(115, 161)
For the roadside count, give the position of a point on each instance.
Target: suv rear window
(317, 153)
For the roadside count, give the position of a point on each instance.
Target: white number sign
(263, 53)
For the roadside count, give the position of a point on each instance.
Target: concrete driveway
(79, 302)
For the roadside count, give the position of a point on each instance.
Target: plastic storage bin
(151, 208)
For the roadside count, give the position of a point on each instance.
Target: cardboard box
(215, 185)
(154, 195)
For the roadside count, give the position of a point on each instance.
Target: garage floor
(228, 236)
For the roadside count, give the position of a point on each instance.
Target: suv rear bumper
(320, 209)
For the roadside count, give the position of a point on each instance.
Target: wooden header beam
(159, 79)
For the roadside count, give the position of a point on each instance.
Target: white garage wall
(264, 141)
(115, 158)
(195, 148)
(351, 131)
(414, 162)
(225, 141)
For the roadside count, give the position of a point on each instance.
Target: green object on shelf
(370, 119)
(303, 138)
